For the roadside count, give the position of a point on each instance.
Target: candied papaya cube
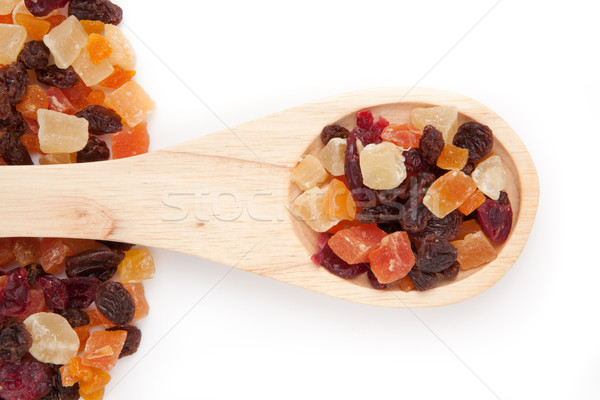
(31, 143)
(57, 101)
(89, 72)
(138, 265)
(54, 252)
(406, 284)
(405, 135)
(77, 95)
(103, 348)
(122, 54)
(97, 319)
(6, 254)
(444, 118)
(90, 379)
(338, 201)
(61, 133)
(66, 41)
(67, 378)
(83, 333)
(309, 207)
(453, 157)
(448, 192)
(332, 156)
(12, 38)
(92, 26)
(490, 177)
(393, 258)
(468, 227)
(474, 250)
(130, 142)
(6, 19)
(78, 246)
(35, 99)
(36, 28)
(354, 244)
(96, 97)
(382, 166)
(6, 6)
(309, 173)
(98, 48)
(136, 290)
(58, 158)
(472, 202)
(97, 395)
(26, 250)
(345, 224)
(117, 79)
(131, 102)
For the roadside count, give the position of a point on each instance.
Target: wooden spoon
(224, 197)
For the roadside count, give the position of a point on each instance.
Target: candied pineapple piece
(66, 41)
(448, 192)
(12, 38)
(36, 27)
(122, 54)
(472, 202)
(332, 156)
(35, 98)
(453, 157)
(90, 73)
(309, 207)
(54, 341)
(382, 166)
(474, 250)
(444, 118)
(131, 102)
(6, 6)
(338, 201)
(58, 158)
(490, 177)
(61, 133)
(103, 348)
(98, 48)
(138, 265)
(136, 290)
(405, 135)
(309, 173)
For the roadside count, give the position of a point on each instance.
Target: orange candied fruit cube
(338, 201)
(6, 254)
(353, 245)
(468, 227)
(35, 98)
(92, 26)
(36, 27)
(472, 202)
(96, 97)
(97, 319)
(139, 298)
(98, 48)
(90, 379)
(83, 333)
(31, 143)
(97, 395)
(405, 135)
(26, 250)
(344, 224)
(117, 79)
(55, 20)
(77, 95)
(103, 348)
(453, 157)
(474, 250)
(6, 19)
(130, 142)
(448, 192)
(406, 284)
(393, 258)
(54, 252)
(78, 246)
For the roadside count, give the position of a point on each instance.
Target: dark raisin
(82, 291)
(503, 199)
(101, 119)
(120, 246)
(15, 293)
(97, 263)
(69, 392)
(12, 150)
(452, 271)
(75, 316)
(115, 303)
(390, 227)
(60, 78)
(364, 196)
(15, 340)
(442, 228)
(380, 213)
(414, 162)
(416, 215)
(328, 259)
(333, 131)
(374, 282)
(96, 10)
(132, 342)
(41, 8)
(34, 55)
(58, 391)
(55, 292)
(95, 150)
(431, 144)
(14, 123)
(418, 185)
(476, 138)
(14, 81)
(391, 196)
(5, 108)
(415, 219)
(423, 280)
(436, 255)
(468, 168)
(495, 219)
(34, 272)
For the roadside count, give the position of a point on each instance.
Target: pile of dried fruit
(67, 96)
(411, 203)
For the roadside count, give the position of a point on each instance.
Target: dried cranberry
(132, 342)
(55, 292)
(364, 119)
(101, 119)
(115, 303)
(414, 162)
(374, 282)
(34, 272)
(97, 263)
(82, 291)
(41, 8)
(12, 151)
(360, 193)
(60, 78)
(328, 259)
(15, 340)
(442, 228)
(34, 55)
(333, 131)
(95, 150)
(436, 255)
(27, 379)
(14, 296)
(74, 316)
(120, 246)
(14, 81)
(495, 219)
(431, 144)
(367, 131)
(452, 271)
(96, 10)
(423, 280)
(475, 137)
(380, 213)
(14, 123)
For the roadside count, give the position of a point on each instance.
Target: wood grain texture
(224, 196)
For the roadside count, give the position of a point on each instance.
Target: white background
(534, 335)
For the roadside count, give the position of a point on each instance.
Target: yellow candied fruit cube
(91, 73)
(138, 265)
(12, 38)
(58, 158)
(97, 395)
(309, 173)
(61, 133)
(131, 102)
(123, 54)
(310, 208)
(6, 6)
(382, 166)
(444, 118)
(332, 156)
(66, 41)
(490, 177)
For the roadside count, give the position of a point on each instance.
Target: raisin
(12, 150)
(15, 340)
(452, 271)
(415, 219)
(75, 316)
(14, 123)
(34, 55)
(97, 263)
(14, 296)
(390, 196)
(374, 282)
(468, 168)
(55, 292)
(82, 291)
(328, 259)
(380, 213)
(117, 245)
(442, 228)
(360, 193)
(101, 119)
(115, 303)
(132, 342)
(34, 272)
(476, 138)
(58, 391)
(14, 81)
(60, 78)
(41, 8)
(96, 10)
(503, 199)
(26, 379)
(431, 144)
(436, 255)
(423, 280)
(390, 227)
(5, 108)
(418, 185)
(496, 219)
(333, 131)
(414, 162)
(416, 215)
(95, 150)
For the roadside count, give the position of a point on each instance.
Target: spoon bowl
(225, 197)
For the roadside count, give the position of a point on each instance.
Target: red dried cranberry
(364, 119)
(132, 342)
(14, 296)
(41, 8)
(495, 219)
(82, 291)
(115, 303)
(27, 379)
(328, 259)
(55, 292)
(96, 10)
(15, 340)
(475, 137)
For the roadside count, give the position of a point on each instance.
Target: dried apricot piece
(83, 332)
(34, 99)
(453, 157)
(58, 158)
(474, 250)
(472, 202)
(103, 348)
(90, 379)
(468, 227)
(36, 28)
(405, 135)
(353, 245)
(130, 142)
(97, 319)
(406, 284)
(59, 102)
(136, 290)
(98, 48)
(137, 266)
(448, 192)
(393, 258)
(54, 252)
(6, 19)
(338, 201)
(117, 79)
(97, 395)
